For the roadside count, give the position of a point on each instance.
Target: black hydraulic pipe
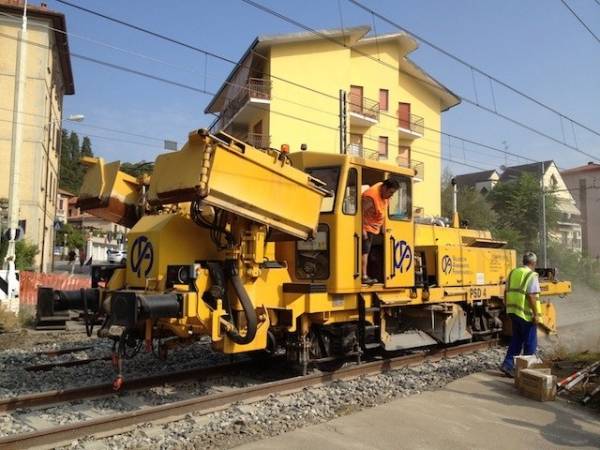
(247, 306)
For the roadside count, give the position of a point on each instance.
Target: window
(403, 156)
(383, 99)
(383, 146)
(330, 176)
(356, 99)
(350, 193)
(61, 204)
(400, 203)
(404, 115)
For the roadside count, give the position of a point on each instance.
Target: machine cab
(333, 257)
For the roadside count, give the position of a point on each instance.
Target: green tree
(73, 237)
(518, 210)
(86, 147)
(138, 169)
(71, 171)
(472, 205)
(25, 255)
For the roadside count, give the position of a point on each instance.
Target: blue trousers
(524, 339)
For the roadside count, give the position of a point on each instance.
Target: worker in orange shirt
(374, 208)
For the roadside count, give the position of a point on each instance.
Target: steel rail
(100, 390)
(71, 363)
(64, 351)
(219, 401)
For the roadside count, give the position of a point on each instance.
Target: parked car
(116, 256)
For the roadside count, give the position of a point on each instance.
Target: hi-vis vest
(515, 295)
(373, 220)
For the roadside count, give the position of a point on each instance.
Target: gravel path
(275, 415)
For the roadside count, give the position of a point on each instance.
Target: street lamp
(75, 118)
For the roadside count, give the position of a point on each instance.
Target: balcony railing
(363, 152)
(415, 123)
(254, 89)
(364, 106)
(417, 166)
(257, 140)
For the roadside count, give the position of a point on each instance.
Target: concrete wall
(43, 111)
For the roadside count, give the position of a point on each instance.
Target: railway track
(71, 363)
(105, 389)
(54, 436)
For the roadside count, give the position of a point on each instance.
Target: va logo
(142, 256)
(402, 256)
(447, 265)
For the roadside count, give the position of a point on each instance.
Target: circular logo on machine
(402, 256)
(447, 264)
(142, 256)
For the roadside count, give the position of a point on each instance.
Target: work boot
(368, 280)
(510, 373)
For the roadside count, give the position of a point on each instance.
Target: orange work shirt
(373, 220)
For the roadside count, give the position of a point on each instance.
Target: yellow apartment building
(48, 78)
(365, 98)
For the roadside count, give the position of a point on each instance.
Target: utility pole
(343, 123)
(543, 233)
(15, 160)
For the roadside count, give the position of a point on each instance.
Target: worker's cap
(529, 258)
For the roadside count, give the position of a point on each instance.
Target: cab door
(399, 237)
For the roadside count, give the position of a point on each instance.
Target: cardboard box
(537, 384)
(528, 362)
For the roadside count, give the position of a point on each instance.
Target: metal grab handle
(393, 256)
(356, 256)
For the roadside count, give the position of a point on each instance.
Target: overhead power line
(238, 63)
(581, 21)
(397, 68)
(332, 97)
(471, 66)
(182, 85)
(87, 125)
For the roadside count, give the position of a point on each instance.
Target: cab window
(400, 204)
(350, 193)
(330, 176)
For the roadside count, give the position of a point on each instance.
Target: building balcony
(411, 128)
(254, 96)
(257, 140)
(363, 111)
(363, 152)
(417, 166)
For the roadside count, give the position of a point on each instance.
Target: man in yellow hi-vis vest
(522, 298)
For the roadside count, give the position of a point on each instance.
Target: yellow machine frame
(294, 242)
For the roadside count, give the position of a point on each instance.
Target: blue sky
(536, 46)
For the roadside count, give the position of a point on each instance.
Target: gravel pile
(276, 415)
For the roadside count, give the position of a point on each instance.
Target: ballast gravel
(275, 415)
(16, 380)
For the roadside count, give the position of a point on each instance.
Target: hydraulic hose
(248, 307)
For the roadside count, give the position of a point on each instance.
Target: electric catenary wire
(581, 21)
(238, 64)
(471, 66)
(182, 85)
(395, 68)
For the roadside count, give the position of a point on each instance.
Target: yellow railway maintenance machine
(260, 250)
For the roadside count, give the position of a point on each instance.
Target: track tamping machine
(260, 251)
